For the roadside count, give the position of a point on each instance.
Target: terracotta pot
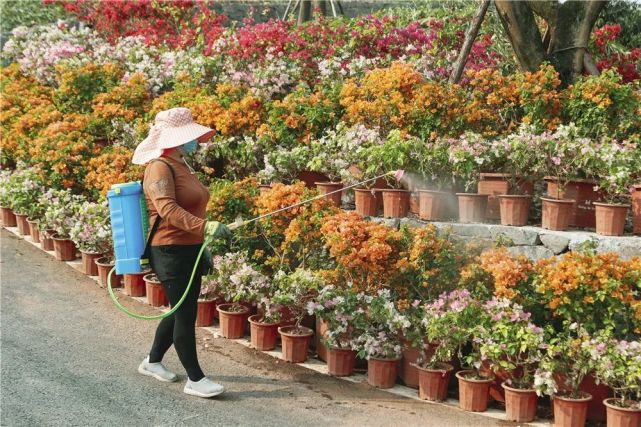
(407, 371)
(135, 284)
(415, 205)
(515, 209)
(311, 178)
(104, 267)
(46, 242)
(396, 203)
(471, 207)
(599, 392)
(610, 218)
(583, 194)
(295, 345)
(382, 373)
(520, 405)
(8, 218)
(622, 417)
(367, 202)
(33, 231)
(156, 296)
(331, 187)
(89, 266)
(263, 335)
(23, 225)
(321, 329)
(432, 205)
(340, 362)
(636, 209)
(493, 184)
(232, 323)
(433, 382)
(556, 213)
(473, 394)
(65, 249)
(263, 188)
(570, 412)
(205, 312)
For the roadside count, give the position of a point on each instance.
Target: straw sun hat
(171, 128)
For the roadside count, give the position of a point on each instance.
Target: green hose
(174, 308)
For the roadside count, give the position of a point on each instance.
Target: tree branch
(519, 23)
(470, 35)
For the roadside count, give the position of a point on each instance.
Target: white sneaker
(203, 388)
(157, 370)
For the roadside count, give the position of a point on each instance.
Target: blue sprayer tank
(129, 226)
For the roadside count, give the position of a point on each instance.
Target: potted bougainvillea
(91, 233)
(295, 290)
(60, 215)
(8, 217)
(206, 303)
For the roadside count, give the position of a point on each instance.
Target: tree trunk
(305, 11)
(525, 37)
(321, 5)
(470, 36)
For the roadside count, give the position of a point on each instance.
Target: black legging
(173, 265)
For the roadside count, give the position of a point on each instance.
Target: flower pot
(340, 362)
(433, 382)
(473, 393)
(415, 205)
(432, 205)
(556, 213)
(232, 323)
(89, 266)
(33, 231)
(407, 370)
(622, 417)
(135, 284)
(311, 178)
(264, 188)
(570, 412)
(295, 343)
(331, 187)
(396, 203)
(263, 335)
(636, 209)
(205, 312)
(23, 225)
(321, 328)
(583, 194)
(471, 207)
(520, 405)
(367, 202)
(156, 296)
(493, 184)
(382, 373)
(515, 209)
(46, 242)
(8, 218)
(65, 249)
(104, 267)
(610, 218)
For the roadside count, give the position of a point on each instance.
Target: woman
(176, 201)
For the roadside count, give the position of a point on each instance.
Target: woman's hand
(217, 230)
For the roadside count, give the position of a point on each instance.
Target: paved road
(68, 358)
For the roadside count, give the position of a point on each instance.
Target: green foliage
(627, 13)
(14, 13)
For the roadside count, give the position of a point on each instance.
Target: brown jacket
(181, 204)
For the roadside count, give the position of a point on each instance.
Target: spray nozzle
(398, 174)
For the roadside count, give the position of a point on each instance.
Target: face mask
(190, 147)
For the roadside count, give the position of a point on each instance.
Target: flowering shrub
(614, 56)
(77, 87)
(381, 324)
(91, 231)
(397, 152)
(618, 365)
(470, 155)
(236, 279)
(62, 208)
(112, 166)
(338, 308)
(512, 275)
(615, 166)
(597, 291)
(230, 200)
(21, 192)
(284, 164)
(295, 290)
(511, 343)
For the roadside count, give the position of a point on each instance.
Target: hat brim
(151, 147)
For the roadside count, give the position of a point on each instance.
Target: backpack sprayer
(130, 227)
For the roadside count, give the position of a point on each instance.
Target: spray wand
(398, 175)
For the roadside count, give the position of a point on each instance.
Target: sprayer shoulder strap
(154, 227)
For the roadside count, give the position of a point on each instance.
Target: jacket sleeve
(159, 186)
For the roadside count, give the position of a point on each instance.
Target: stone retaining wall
(534, 242)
